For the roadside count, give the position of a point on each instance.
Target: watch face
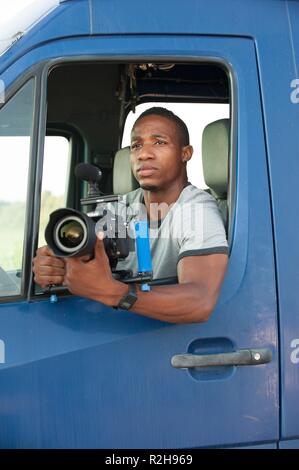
(127, 301)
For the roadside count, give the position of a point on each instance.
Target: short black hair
(166, 113)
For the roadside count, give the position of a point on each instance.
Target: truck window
(94, 103)
(55, 179)
(16, 122)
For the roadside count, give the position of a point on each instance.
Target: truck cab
(75, 373)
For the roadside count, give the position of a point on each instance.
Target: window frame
(35, 74)
(77, 147)
(41, 72)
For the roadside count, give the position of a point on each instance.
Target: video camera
(71, 233)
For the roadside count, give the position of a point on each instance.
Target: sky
(10, 8)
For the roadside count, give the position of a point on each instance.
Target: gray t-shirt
(193, 226)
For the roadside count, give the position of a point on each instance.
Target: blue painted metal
(78, 374)
(283, 144)
(272, 445)
(291, 444)
(216, 17)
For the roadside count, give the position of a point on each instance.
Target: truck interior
(91, 107)
(89, 103)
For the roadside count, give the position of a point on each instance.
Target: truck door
(79, 374)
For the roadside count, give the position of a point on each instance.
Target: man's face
(157, 155)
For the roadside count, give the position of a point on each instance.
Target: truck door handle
(242, 357)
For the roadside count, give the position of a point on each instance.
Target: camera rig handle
(143, 249)
(144, 260)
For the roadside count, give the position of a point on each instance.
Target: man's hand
(47, 268)
(93, 278)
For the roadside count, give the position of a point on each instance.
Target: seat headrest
(215, 149)
(123, 178)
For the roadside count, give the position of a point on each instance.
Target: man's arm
(192, 300)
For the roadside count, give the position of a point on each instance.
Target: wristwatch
(128, 300)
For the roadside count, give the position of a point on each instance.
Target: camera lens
(70, 234)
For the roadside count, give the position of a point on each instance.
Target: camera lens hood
(59, 222)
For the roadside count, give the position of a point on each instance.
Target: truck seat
(215, 151)
(123, 179)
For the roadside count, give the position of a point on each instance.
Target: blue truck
(78, 374)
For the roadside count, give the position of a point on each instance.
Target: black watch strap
(128, 300)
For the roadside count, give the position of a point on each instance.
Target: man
(159, 153)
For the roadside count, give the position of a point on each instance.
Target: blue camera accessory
(143, 250)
